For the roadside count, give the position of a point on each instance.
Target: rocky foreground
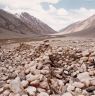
(45, 70)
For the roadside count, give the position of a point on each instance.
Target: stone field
(54, 67)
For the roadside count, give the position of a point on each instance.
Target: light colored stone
(44, 85)
(78, 90)
(35, 83)
(93, 82)
(24, 83)
(84, 77)
(31, 77)
(15, 85)
(84, 92)
(67, 94)
(41, 90)
(78, 84)
(25, 95)
(6, 92)
(17, 95)
(43, 94)
(6, 86)
(70, 88)
(11, 94)
(87, 83)
(85, 53)
(83, 59)
(1, 90)
(31, 90)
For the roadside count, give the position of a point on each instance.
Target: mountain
(24, 25)
(81, 28)
(36, 25)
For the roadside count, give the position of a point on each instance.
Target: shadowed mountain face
(12, 26)
(81, 28)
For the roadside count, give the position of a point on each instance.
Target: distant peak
(91, 17)
(25, 14)
(1, 10)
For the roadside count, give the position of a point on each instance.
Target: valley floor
(54, 67)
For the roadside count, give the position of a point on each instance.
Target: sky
(56, 13)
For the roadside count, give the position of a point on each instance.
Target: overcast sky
(56, 13)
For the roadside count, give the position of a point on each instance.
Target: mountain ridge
(79, 26)
(19, 27)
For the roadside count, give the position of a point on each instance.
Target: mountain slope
(13, 27)
(80, 26)
(35, 24)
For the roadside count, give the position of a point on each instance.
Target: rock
(70, 88)
(17, 95)
(87, 83)
(27, 71)
(31, 90)
(40, 90)
(12, 75)
(44, 85)
(54, 95)
(93, 82)
(22, 75)
(67, 94)
(90, 89)
(84, 92)
(1, 90)
(25, 95)
(78, 84)
(11, 94)
(6, 86)
(31, 77)
(83, 66)
(78, 90)
(46, 59)
(6, 92)
(43, 94)
(15, 85)
(83, 59)
(35, 83)
(60, 49)
(87, 78)
(85, 53)
(82, 75)
(24, 83)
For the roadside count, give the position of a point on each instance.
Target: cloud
(20, 4)
(62, 17)
(57, 18)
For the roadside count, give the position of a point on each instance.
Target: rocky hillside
(26, 26)
(80, 26)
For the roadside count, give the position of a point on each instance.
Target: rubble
(47, 71)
